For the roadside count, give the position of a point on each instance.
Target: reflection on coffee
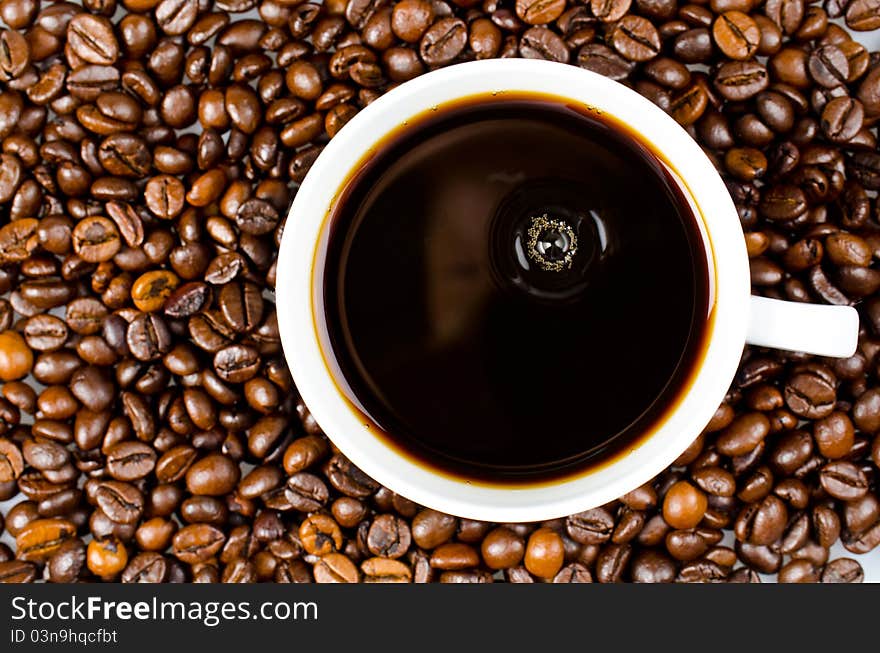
(514, 289)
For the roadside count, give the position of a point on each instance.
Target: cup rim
(710, 380)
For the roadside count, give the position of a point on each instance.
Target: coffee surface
(514, 288)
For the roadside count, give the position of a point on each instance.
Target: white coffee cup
(737, 319)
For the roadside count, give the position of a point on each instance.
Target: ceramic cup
(737, 317)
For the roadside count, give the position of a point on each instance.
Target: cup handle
(819, 329)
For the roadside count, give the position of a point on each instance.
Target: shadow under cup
(512, 290)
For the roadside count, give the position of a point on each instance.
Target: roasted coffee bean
(842, 570)
(760, 558)
(737, 81)
(843, 480)
(148, 337)
(736, 35)
(862, 15)
(129, 461)
(842, 119)
(124, 155)
(320, 535)
(348, 512)
(668, 72)
(15, 54)
(445, 40)
(11, 461)
(17, 571)
(542, 43)
(39, 539)
(612, 562)
(643, 497)
(335, 568)
(574, 572)
(692, 45)
(385, 570)
(862, 542)
(401, 65)
(501, 548)
(411, 18)
(96, 239)
(545, 553)
(304, 452)
(776, 111)
(635, 38)
(609, 11)
(791, 451)
(236, 363)
(431, 528)
(650, 566)
(18, 239)
(746, 164)
(654, 532)
(151, 289)
(701, 571)
(685, 545)
(590, 527)
(824, 288)
(454, 556)
(213, 475)
(715, 481)
(66, 564)
(834, 435)
(175, 17)
(197, 543)
(146, 568)
(155, 534)
(812, 553)
(92, 39)
(187, 299)
(264, 479)
(539, 12)
(762, 523)
(826, 525)
(829, 66)
(348, 479)
(864, 166)
(810, 394)
(684, 505)
(744, 434)
(787, 14)
(106, 556)
(689, 106)
(306, 492)
(16, 358)
(85, 316)
(604, 61)
(121, 502)
(389, 536)
(45, 455)
(164, 196)
(798, 571)
(256, 217)
(241, 305)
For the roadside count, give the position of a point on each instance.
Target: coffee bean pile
(148, 425)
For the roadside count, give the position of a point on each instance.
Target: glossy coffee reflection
(514, 289)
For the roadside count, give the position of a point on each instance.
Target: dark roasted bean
(445, 40)
(603, 60)
(843, 570)
(635, 38)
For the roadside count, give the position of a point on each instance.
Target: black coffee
(515, 289)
